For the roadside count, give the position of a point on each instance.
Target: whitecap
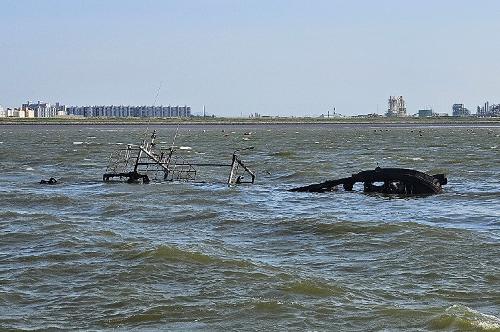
(77, 143)
(29, 168)
(185, 148)
(474, 318)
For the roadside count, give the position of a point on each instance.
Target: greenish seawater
(202, 256)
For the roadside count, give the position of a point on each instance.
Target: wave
(342, 227)
(23, 216)
(313, 288)
(202, 215)
(283, 154)
(460, 317)
(268, 305)
(169, 253)
(56, 200)
(346, 227)
(9, 214)
(179, 315)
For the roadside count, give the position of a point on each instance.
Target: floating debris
(148, 162)
(398, 181)
(49, 181)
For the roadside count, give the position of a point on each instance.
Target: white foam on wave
(185, 148)
(474, 318)
(77, 143)
(29, 168)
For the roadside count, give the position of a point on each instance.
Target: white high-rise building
(45, 110)
(3, 113)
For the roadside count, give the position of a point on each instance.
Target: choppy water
(178, 256)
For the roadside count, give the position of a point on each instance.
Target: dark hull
(398, 181)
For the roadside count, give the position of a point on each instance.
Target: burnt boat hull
(399, 181)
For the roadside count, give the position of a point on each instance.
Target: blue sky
(238, 57)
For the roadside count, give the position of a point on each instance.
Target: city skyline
(237, 58)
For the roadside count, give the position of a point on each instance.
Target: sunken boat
(149, 162)
(396, 181)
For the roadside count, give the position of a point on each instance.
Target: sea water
(84, 254)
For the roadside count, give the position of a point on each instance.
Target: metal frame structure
(137, 163)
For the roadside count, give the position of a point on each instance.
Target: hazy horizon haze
(239, 57)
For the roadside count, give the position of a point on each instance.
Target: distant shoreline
(252, 121)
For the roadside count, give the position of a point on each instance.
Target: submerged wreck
(148, 161)
(397, 181)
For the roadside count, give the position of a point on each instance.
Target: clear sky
(276, 57)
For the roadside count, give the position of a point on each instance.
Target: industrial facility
(487, 110)
(459, 110)
(425, 113)
(396, 107)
